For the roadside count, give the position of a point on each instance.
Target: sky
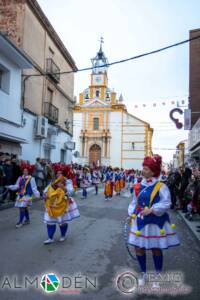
(129, 28)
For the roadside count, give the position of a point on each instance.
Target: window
(4, 79)
(96, 123)
(97, 94)
(49, 95)
(62, 155)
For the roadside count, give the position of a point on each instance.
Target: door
(95, 155)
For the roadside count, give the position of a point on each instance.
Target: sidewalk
(192, 224)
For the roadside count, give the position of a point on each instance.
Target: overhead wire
(122, 60)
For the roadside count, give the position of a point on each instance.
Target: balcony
(52, 70)
(51, 112)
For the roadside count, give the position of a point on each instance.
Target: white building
(104, 132)
(12, 61)
(22, 133)
(47, 96)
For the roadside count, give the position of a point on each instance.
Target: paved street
(94, 247)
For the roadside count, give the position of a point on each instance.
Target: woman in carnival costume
(122, 179)
(108, 189)
(27, 189)
(96, 179)
(65, 170)
(74, 180)
(151, 228)
(117, 185)
(59, 208)
(131, 181)
(85, 181)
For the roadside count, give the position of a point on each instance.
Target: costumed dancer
(108, 189)
(151, 228)
(60, 171)
(163, 177)
(131, 181)
(117, 184)
(85, 182)
(27, 189)
(96, 179)
(122, 179)
(60, 208)
(74, 180)
(138, 178)
(67, 171)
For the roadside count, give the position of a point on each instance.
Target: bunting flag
(154, 104)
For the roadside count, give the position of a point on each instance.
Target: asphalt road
(90, 259)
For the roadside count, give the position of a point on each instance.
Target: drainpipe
(23, 98)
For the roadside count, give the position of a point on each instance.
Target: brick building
(194, 80)
(194, 95)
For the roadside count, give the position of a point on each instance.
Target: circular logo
(127, 282)
(50, 283)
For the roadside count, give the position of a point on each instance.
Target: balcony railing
(194, 135)
(52, 70)
(51, 112)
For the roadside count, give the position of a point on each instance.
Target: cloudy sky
(129, 28)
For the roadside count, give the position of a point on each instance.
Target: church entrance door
(95, 155)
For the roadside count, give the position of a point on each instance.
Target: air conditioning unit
(41, 127)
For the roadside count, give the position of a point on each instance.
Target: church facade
(104, 132)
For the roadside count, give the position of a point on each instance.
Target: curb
(191, 224)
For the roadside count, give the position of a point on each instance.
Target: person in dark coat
(16, 174)
(8, 171)
(173, 183)
(186, 176)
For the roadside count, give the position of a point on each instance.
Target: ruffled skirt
(69, 215)
(150, 236)
(23, 202)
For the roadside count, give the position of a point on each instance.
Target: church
(105, 133)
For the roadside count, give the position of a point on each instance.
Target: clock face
(98, 80)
